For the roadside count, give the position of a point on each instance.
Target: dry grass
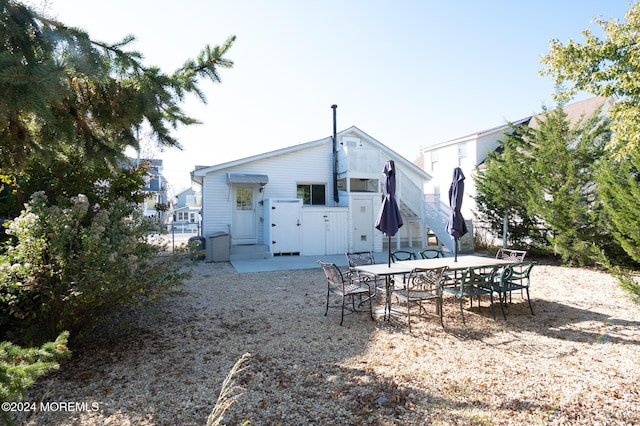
(577, 361)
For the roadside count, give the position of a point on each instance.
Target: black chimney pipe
(336, 198)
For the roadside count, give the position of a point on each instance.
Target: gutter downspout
(336, 198)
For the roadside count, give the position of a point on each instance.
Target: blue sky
(409, 73)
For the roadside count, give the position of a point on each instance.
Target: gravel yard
(576, 362)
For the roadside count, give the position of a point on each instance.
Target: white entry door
(244, 215)
(362, 225)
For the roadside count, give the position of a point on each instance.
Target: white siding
(217, 204)
(324, 230)
(313, 165)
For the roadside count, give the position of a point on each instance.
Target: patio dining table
(406, 266)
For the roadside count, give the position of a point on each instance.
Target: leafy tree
(68, 175)
(604, 67)
(503, 190)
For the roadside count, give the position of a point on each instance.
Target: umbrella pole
(455, 249)
(389, 251)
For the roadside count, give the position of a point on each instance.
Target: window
(185, 217)
(462, 154)
(312, 194)
(462, 150)
(434, 161)
(244, 198)
(364, 185)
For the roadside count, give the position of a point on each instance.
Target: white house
(316, 198)
(186, 212)
(470, 151)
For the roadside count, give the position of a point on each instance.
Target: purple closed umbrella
(456, 227)
(389, 218)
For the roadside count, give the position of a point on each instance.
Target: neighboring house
(469, 151)
(156, 190)
(186, 211)
(285, 200)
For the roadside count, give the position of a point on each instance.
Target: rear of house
(285, 200)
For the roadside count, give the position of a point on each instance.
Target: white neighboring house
(469, 151)
(186, 212)
(284, 200)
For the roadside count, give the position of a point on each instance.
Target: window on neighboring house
(434, 161)
(151, 202)
(462, 154)
(312, 194)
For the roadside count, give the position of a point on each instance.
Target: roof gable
(351, 131)
(478, 135)
(578, 111)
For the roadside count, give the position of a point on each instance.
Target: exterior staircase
(412, 201)
(436, 218)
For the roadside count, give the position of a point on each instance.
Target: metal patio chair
(513, 277)
(422, 285)
(400, 255)
(360, 258)
(431, 253)
(345, 288)
(512, 256)
(475, 282)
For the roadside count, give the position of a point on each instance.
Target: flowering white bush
(71, 265)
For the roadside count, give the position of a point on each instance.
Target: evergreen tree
(562, 190)
(20, 367)
(503, 190)
(619, 189)
(63, 91)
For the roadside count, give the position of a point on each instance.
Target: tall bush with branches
(544, 177)
(72, 265)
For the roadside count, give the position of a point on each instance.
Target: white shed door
(315, 230)
(286, 227)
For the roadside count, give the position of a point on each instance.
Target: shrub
(72, 265)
